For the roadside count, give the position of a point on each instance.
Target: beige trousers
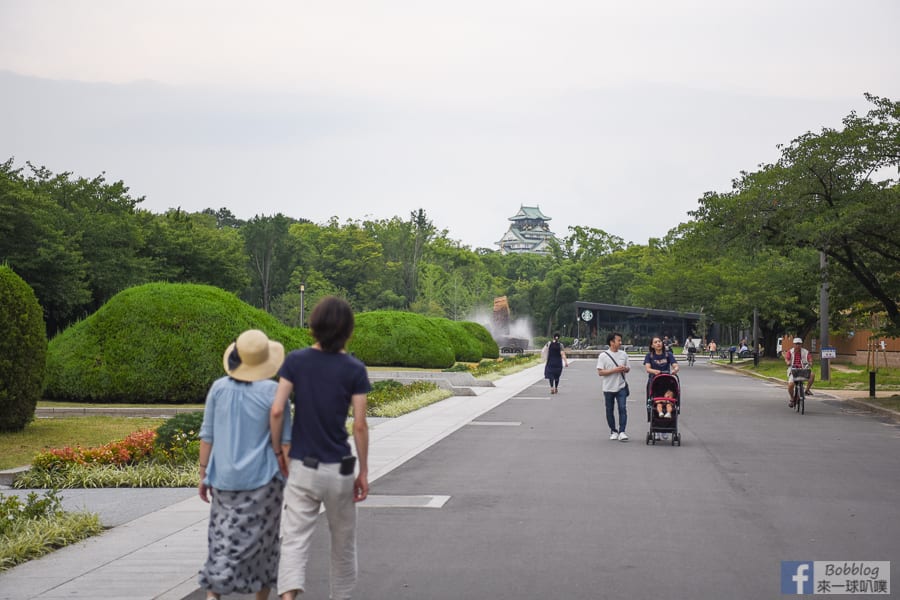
(307, 490)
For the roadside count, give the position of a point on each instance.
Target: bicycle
(800, 376)
(691, 356)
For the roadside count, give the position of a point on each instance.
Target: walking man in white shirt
(612, 365)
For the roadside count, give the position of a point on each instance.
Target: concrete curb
(893, 414)
(75, 411)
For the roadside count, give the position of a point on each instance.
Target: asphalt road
(542, 505)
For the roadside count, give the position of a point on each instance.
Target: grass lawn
(843, 376)
(17, 449)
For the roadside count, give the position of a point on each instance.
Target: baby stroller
(656, 392)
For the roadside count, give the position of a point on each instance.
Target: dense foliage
(23, 351)
(178, 439)
(155, 343)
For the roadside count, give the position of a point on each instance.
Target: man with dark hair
(326, 383)
(612, 365)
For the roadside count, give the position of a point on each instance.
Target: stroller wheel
(649, 436)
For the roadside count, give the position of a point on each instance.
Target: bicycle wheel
(801, 398)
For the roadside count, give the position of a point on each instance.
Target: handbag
(627, 391)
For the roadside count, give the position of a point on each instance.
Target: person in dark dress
(556, 358)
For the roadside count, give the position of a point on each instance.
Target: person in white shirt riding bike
(798, 358)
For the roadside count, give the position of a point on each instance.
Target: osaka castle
(529, 232)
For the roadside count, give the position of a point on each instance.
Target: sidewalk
(157, 556)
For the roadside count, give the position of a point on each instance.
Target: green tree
(829, 192)
(271, 257)
(190, 248)
(23, 351)
(34, 242)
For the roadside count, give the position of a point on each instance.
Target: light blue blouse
(236, 423)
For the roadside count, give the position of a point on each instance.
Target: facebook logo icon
(796, 577)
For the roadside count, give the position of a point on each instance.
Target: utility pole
(302, 290)
(823, 315)
(755, 349)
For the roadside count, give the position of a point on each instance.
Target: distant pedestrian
(241, 472)
(326, 383)
(556, 358)
(611, 367)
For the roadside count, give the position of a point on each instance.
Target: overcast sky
(614, 115)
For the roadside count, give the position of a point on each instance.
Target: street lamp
(302, 290)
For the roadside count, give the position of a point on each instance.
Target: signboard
(829, 352)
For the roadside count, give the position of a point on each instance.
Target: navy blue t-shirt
(324, 384)
(661, 362)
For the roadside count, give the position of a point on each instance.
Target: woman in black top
(556, 357)
(659, 360)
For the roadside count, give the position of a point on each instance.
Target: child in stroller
(664, 408)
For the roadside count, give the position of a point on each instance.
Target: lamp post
(302, 290)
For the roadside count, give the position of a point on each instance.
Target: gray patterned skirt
(243, 540)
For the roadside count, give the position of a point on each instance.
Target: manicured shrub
(393, 338)
(489, 348)
(154, 343)
(466, 347)
(23, 351)
(178, 439)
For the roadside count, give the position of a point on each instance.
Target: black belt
(348, 464)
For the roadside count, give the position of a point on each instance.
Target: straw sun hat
(253, 357)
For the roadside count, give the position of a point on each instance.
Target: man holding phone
(612, 365)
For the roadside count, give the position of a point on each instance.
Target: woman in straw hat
(239, 469)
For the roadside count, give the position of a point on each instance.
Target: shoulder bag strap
(615, 363)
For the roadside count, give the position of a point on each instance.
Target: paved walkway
(157, 555)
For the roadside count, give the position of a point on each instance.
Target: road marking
(497, 423)
(418, 501)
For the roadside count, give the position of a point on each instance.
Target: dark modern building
(637, 325)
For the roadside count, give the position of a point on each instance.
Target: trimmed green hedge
(401, 339)
(466, 347)
(23, 351)
(159, 342)
(489, 347)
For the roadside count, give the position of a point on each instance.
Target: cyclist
(691, 349)
(798, 358)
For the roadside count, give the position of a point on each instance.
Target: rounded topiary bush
(466, 348)
(393, 338)
(23, 351)
(160, 342)
(489, 347)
